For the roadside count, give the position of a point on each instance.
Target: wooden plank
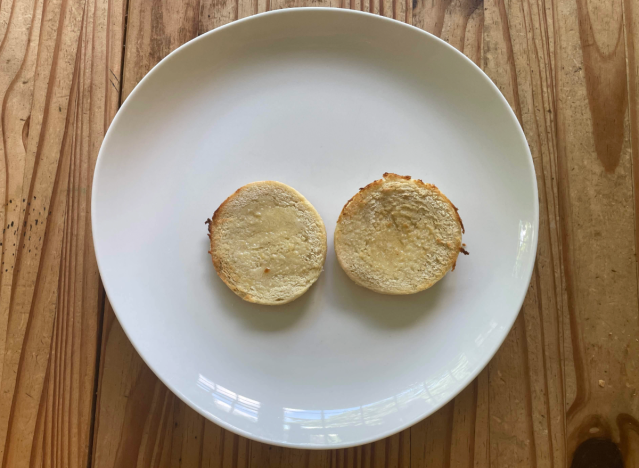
(628, 427)
(597, 180)
(155, 29)
(526, 377)
(58, 103)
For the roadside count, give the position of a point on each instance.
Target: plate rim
(471, 376)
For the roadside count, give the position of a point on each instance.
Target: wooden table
(561, 391)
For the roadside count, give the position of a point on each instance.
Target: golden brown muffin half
(398, 235)
(268, 243)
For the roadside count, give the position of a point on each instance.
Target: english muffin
(398, 235)
(268, 243)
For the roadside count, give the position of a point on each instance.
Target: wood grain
(598, 228)
(562, 390)
(57, 103)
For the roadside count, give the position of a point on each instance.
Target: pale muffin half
(268, 243)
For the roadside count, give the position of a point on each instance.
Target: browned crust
(346, 212)
(363, 189)
(392, 176)
(461, 250)
(217, 212)
(214, 222)
(461, 223)
(375, 183)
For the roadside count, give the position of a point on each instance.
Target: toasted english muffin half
(398, 235)
(268, 243)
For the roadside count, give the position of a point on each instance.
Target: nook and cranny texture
(268, 243)
(398, 235)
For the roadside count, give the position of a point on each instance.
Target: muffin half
(268, 243)
(398, 235)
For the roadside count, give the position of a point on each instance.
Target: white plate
(325, 101)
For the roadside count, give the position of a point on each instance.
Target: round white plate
(325, 101)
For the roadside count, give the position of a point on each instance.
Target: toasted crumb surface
(268, 243)
(398, 235)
